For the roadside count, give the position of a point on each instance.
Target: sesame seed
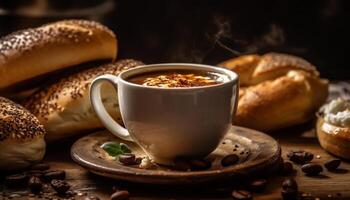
(45, 101)
(59, 32)
(17, 123)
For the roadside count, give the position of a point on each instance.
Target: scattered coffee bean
(242, 195)
(230, 159)
(182, 165)
(290, 183)
(138, 161)
(35, 184)
(332, 164)
(258, 185)
(60, 186)
(40, 166)
(289, 194)
(300, 157)
(54, 174)
(287, 168)
(16, 180)
(120, 195)
(127, 159)
(312, 169)
(200, 164)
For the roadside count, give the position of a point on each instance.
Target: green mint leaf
(124, 148)
(114, 149)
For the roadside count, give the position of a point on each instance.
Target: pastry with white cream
(333, 127)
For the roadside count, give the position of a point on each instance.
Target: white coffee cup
(170, 122)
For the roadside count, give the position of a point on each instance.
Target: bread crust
(334, 139)
(21, 137)
(276, 90)
(33, 52)
(64, 107)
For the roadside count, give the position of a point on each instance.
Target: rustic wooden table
(329, 185)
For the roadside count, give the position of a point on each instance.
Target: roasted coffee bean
(127, 159)
(60, 186)
(40, 166)
(332, 164)
(200, 164)
(54, 174)
(120, 195)
(257, 185)
(35, 184)
(242, 195)
(16, 180)
(300, 157)
(312, 169)
(289, 194)
(287, 168)
(182, 164)
(138, 160)
(229, 160)
(290, 183)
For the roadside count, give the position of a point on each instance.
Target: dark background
(205, 31)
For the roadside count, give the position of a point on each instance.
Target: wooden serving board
(257, 151)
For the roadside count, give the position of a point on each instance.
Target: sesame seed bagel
(33, 52)
(21, 137)
(276, 90)
(64, 107)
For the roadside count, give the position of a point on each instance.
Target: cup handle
(97, 105)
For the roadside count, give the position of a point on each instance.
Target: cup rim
(233, 76)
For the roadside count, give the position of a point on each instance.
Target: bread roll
(334, 139)
(21, 137)
(333, 127)
(276, 90)
(64, 107)
(30, 53)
